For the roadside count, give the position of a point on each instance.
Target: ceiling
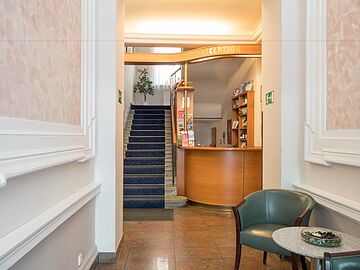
(236, 18)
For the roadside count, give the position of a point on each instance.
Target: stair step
(142, 153)
(147, 139)
(144, 161)
(135, 139)
(150, 107)
(138, 146)
(170, 190)
(172, 201)
(144, 179)
(144, 170)
(141, 190)
(141, 202)
(148, 127)
(147, 133)
(149, 116)
(142, 111)
(148, 121)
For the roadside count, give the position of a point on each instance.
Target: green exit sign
(269, 98)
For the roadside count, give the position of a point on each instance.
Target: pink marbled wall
(40, 60)
(343, 64)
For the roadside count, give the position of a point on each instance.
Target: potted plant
(144, 85)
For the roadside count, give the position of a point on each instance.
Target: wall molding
(28, 146)
(346, 207)
(323, 146)
(19, 242)
(29, 161)
(89, 259)
(136, 38)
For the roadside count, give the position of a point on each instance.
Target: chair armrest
(237, 206)
(237, 226)
(237, 215)
(300, 218)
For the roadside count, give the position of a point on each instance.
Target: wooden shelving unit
(243, 114)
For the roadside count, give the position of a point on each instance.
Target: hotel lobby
(186, 135)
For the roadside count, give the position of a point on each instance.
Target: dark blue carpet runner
(144, 163)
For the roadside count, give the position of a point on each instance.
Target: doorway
(213, 137)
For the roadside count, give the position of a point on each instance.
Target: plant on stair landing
(144, 85)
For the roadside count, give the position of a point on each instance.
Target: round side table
(290, 239)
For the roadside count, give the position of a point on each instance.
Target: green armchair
(263, 212)
(342, 261)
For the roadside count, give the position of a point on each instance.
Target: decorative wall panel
(47, 73)
(40, 60)
(343, 65)
(332, 127)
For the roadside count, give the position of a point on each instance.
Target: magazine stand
(184, 100)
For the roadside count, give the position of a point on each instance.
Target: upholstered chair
(263, 212)
(342, 261)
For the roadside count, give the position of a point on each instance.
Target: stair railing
(174, 78)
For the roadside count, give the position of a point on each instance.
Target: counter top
(221, 148)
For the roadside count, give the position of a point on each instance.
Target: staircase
(148, 179)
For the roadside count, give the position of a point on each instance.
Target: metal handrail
(173, 124)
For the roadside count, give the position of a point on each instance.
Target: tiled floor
(197, 239)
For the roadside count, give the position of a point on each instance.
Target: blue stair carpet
(144, 162)
(147, 127)
(145, 133)
(146, 145)
(135, 139)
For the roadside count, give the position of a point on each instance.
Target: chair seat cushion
(259, 236)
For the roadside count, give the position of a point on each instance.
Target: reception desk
(218, 176)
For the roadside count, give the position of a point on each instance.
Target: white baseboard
(89, 259)
(344, 206)
(19, 242)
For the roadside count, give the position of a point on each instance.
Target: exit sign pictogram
(269, 97)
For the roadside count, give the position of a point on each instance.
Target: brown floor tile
(196, 239)
(150, 244)
(149, 253)
(225, 240)
(208, 264)
(149, 264)
(197, 253)
(151, 236)
(105, 267)
(227, 252)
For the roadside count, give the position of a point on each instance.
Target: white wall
(250, 69)
(129, 81)
(159, 98)
(161, 95)
(120, 77)
(108, 162)
(202, 131)
(271, 71)
(60, 249)
(207, 110)
(26, 199)
(284, 53)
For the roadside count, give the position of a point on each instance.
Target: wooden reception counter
(218, 176)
